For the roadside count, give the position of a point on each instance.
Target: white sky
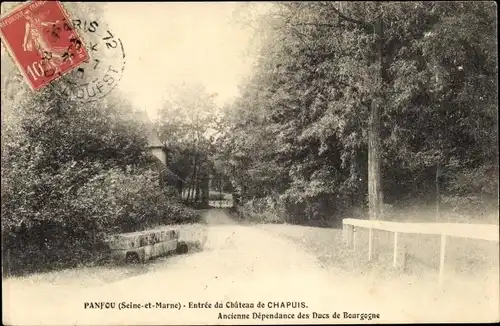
(180, 42)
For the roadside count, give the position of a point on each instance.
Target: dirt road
(240, 266)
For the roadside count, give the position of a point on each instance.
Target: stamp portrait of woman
(35, 40)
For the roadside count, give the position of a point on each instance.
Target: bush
(319, 210)
(71, 226)
(473, 192)
(261, 210)
(121, 202)
(71, 174)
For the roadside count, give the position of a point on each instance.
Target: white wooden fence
(488, 232)
(221, 203)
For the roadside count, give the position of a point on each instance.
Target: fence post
(370, 243)
(353, 233)
(347, 230)
(395, 258)
(441, 259)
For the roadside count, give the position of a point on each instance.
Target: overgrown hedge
(260, 210)
(322, 210)
(72, 173)
(70, 228)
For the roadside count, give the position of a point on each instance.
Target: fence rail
(487, 232)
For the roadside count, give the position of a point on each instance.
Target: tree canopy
(299, 131)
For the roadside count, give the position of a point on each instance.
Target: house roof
(153, 140)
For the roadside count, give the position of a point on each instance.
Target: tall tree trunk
(193, 177)
(204, 183)
(205, 190)
(438, 174)
(192, 182)
(190, 192)
(179, 187)
(375, 197)
(189, 183)
(197, 166)
(197, 192)
(220, 192)
(197, 184)
(374, 188)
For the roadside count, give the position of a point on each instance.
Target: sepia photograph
(249, 163)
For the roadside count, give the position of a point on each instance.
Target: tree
(72, 173)
(186, 125)
(340, 88)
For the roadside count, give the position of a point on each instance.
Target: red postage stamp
(42, 41)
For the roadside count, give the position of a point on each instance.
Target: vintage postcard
(221, 163)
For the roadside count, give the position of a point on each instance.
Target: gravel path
(240, 265)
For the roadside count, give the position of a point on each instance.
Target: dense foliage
(298, 134)
(188, 124)
(73, 173)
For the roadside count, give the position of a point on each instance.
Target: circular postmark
(96, 78)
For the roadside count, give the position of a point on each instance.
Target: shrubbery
(261, 210)
(71, 228)
(125, 202)
(73, 173)
(315, 211)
